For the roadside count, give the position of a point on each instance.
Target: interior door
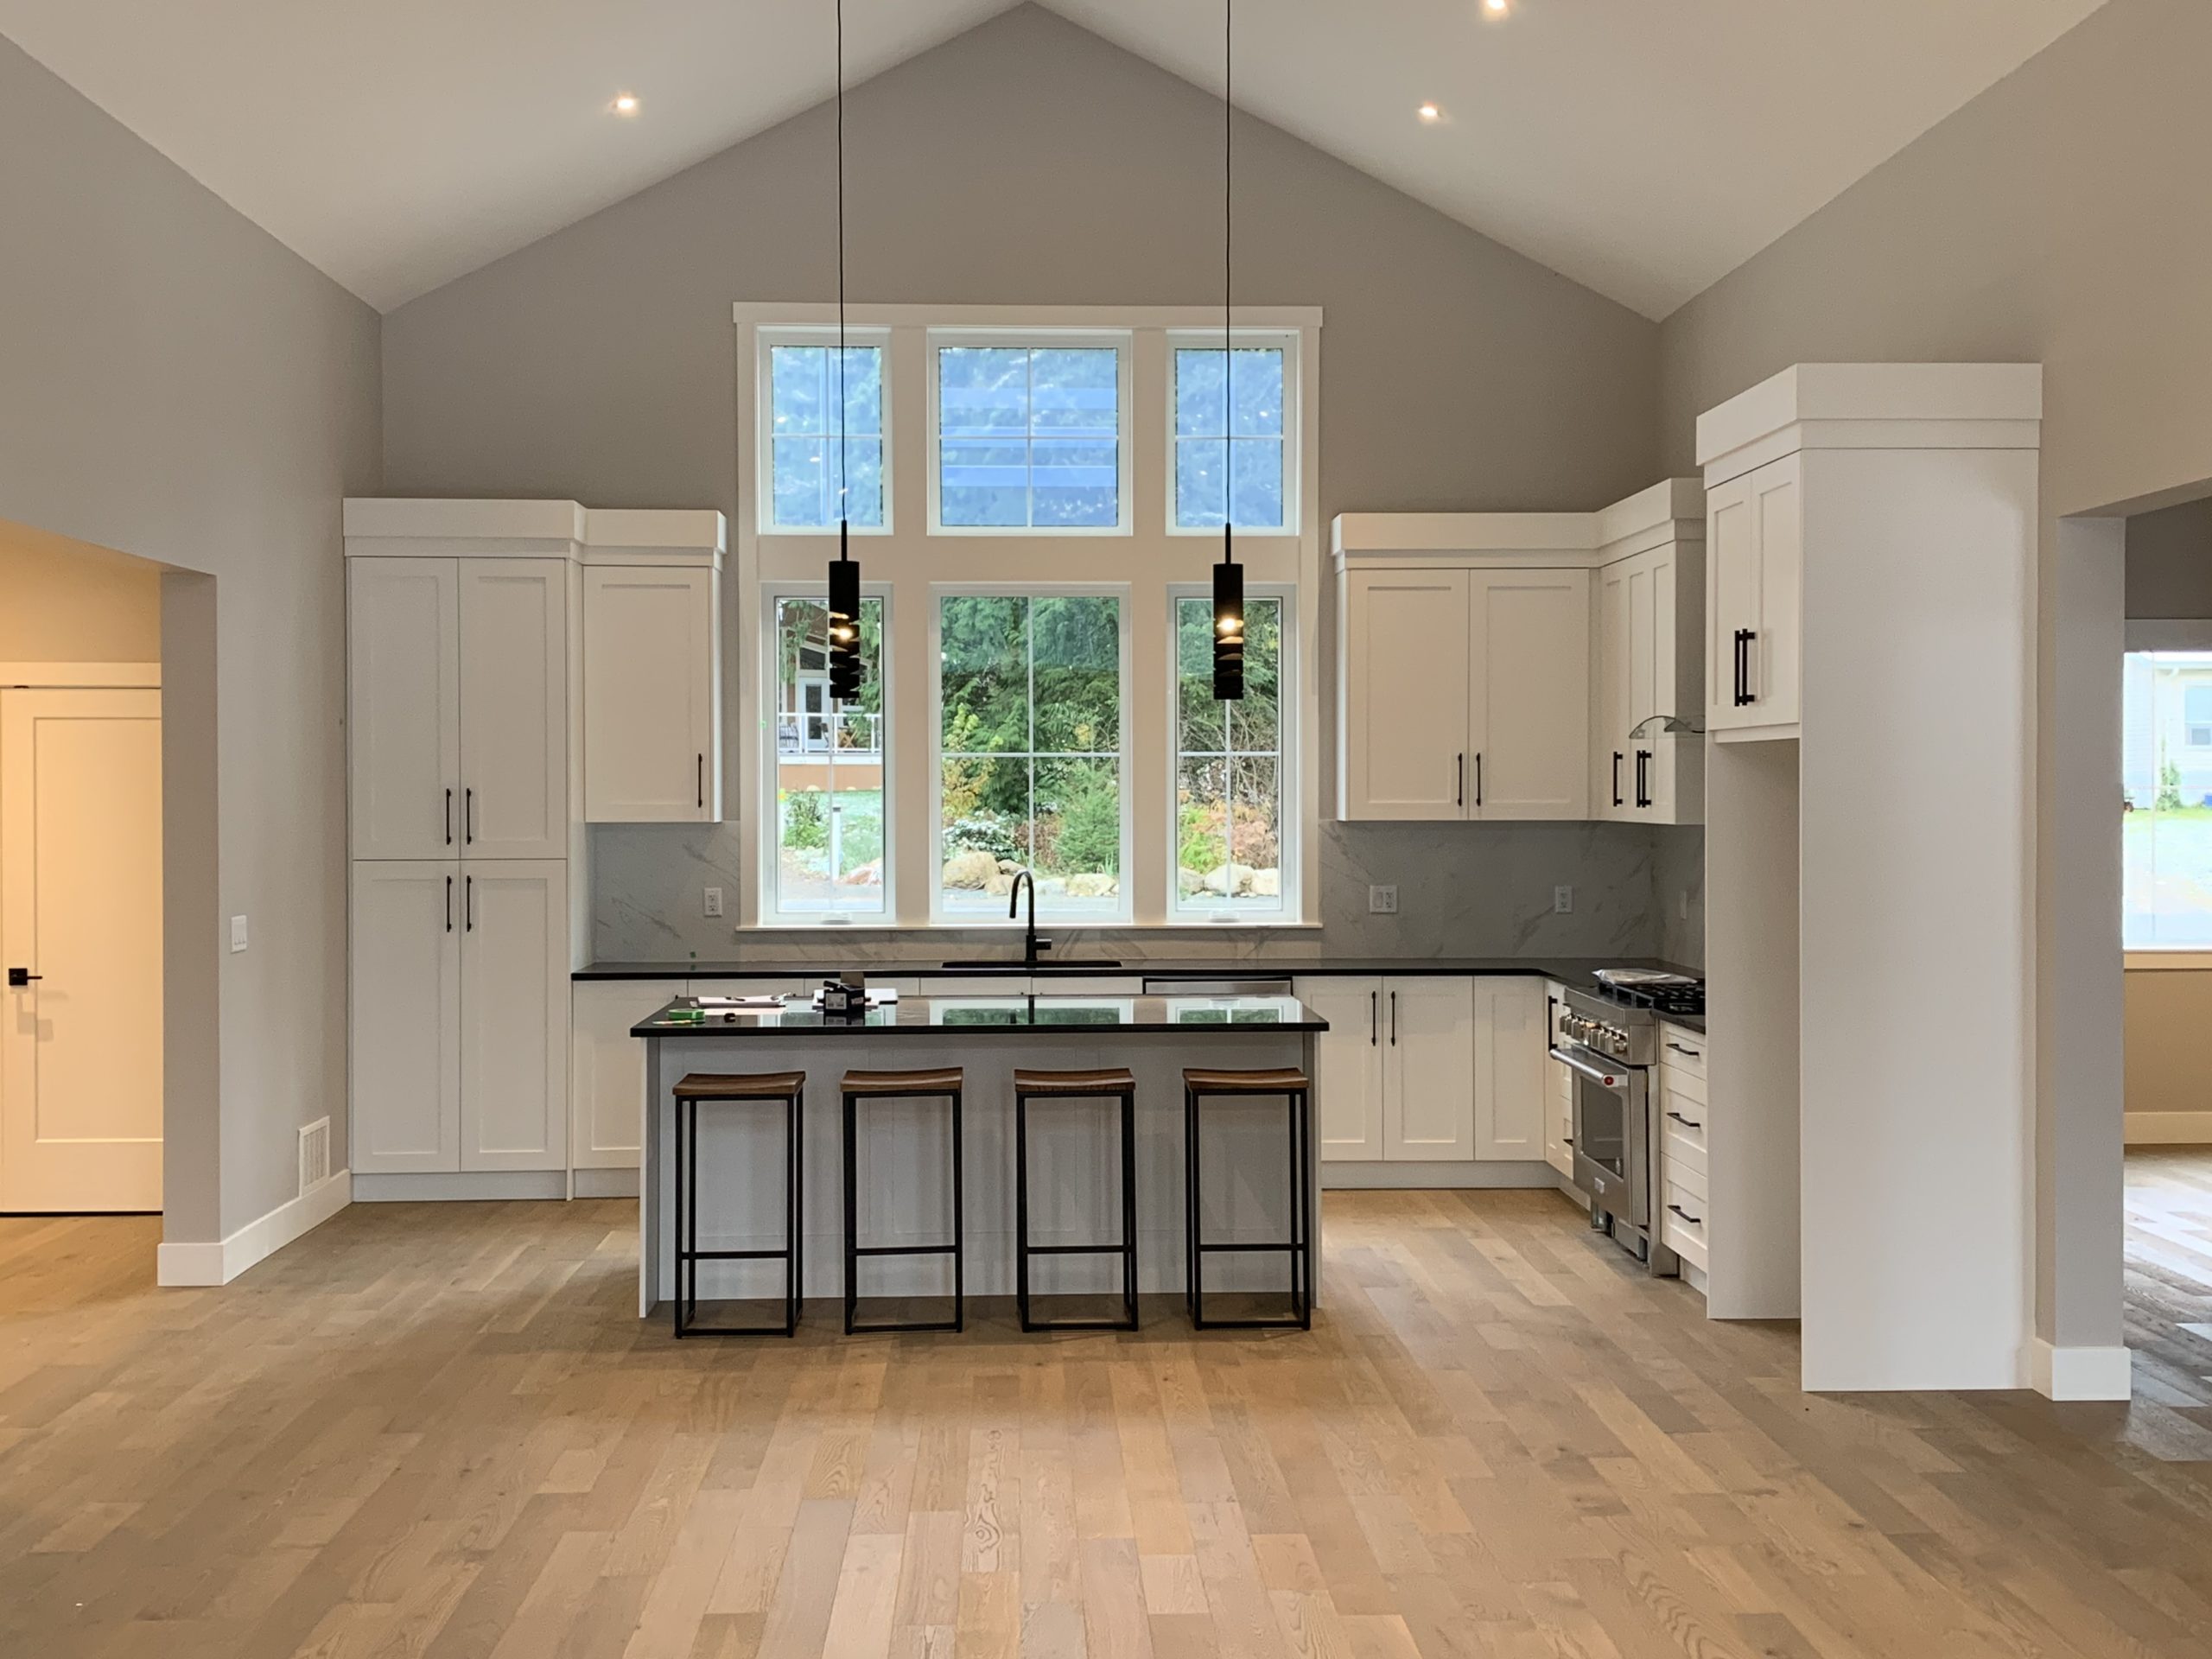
(1405, 752)
(1348, 1066)
(1512, 1048)
(402, 676)
(514, 1016)
(1428, 1066)
(404, 994)
(649, 714)
(1529, 681)
(80, 913)
(514, 708)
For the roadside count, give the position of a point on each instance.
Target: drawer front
(1688, 1175)
(1682, 1051)
(1685, 1241)
(1682, 1212)
(1690, 1085)
(1681, 1115)
(1679, 1153)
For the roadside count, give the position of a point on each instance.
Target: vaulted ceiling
(1643, 148)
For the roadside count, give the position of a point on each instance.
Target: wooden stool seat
(1282, 1080)
(1110, 1081)
(745, 1085)
(940, 1080)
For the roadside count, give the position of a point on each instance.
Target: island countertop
(995, 1016)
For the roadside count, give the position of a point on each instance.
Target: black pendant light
(1228, 575)
(844, 572)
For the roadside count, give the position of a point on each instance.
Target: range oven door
(1611, 1133)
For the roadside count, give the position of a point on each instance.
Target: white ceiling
(1644, 148)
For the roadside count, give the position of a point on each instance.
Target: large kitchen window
(1230, 826)
(1028, 436)
(1043, 490)
(1030, 713)
(2166, 820)
(816, 474)
(832, 810)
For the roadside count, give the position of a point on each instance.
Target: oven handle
(1603, 1079)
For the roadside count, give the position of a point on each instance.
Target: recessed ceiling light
(1497, 7)
(624, 104)
(1429, 112)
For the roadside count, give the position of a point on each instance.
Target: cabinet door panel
(1429, 1069)
(514, 1016)
(402, 695)
(1348, 1066)
(1405, 695)
(607, 1067)
(1614, 780)
(404, 1002)
(1732, 552)
(1778, 505)
(1529, 711)
(514, 708)
(650, 751)
(1511, 1056)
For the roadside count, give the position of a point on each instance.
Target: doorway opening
(82, 1017)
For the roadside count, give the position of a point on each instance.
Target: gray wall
(2058, 218)
(1028, 161)
(179, 387)
(2169, 562)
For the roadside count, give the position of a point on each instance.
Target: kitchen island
(904, 1192)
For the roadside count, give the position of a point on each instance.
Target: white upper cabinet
(1756, 542)
(514, 708)
(1649, 641)
(1528, 674)
(403, 706)
(1404, 659)
(652, 745)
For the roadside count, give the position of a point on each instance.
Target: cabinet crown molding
(1872, 406)
(412, 526)
(1672, 510)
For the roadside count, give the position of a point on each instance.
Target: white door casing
(81, 908)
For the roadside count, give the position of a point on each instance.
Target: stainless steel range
(1611, 1042)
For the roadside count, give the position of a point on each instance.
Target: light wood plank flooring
(439, 1430)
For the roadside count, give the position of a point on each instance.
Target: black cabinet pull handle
(448, 904)
(1694, 1054)
(1478, 776)
(1374, 1018)
(1616, 776)
(1460, 780)
(469, 904)
(1643, 777)
(1687, 1122)
(703, 782)
(448, 818)
(1394, 1018)
(20, 978)
(1695, 1221)
(1737, 690)
(469, 816)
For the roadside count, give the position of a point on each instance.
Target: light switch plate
(1563, 901)
(237, 934)
(1382, 901)
(714, 901)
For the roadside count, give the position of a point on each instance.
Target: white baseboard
(461, 1186)
(1435, 1176)
(2169, 1129)
(2079, 1373)
(220, 1263)
(608, 1183)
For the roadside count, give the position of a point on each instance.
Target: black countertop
(1568, 971)
(1010, 1016)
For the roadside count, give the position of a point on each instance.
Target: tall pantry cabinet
(468, 891)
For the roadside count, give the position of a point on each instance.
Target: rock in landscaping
(972, 871)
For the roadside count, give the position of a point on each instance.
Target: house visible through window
(1029, 437)
(1229, 823)
(831, 813)
(2166, 825)
(1029, 753)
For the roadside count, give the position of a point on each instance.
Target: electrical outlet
(714, 901)
(1382, 901)
(1562, 902)
(237, 934)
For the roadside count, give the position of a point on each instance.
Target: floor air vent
(314, 1154)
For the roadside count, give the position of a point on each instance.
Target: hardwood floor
(439, 1430)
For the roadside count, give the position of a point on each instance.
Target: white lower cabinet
(460, 1002)
(1429, 1069)
(1683, 1126)
(607, 1067)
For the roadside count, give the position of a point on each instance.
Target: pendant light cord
(1227, 265)
(844, 442)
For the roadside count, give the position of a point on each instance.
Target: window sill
(2167, 958)
(1045, 924)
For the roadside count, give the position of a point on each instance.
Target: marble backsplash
(1463, 890)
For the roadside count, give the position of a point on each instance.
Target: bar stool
(761, 1087)
(945, 1082)
(1296, 1089)
(1115, 1085)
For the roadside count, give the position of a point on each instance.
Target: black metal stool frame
(855, 1251)
(689, 1256)
(1298, 1246)
(1127, 1249)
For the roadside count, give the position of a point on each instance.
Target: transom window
(1028, 437)
(1029, 753)
(1229, 437)
(808, 488)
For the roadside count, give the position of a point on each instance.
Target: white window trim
(1292, 836)
(767, 840)
(1120, 342)
(1148, 561)
(1295, 414)
(1119, 914)
(764, 422)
